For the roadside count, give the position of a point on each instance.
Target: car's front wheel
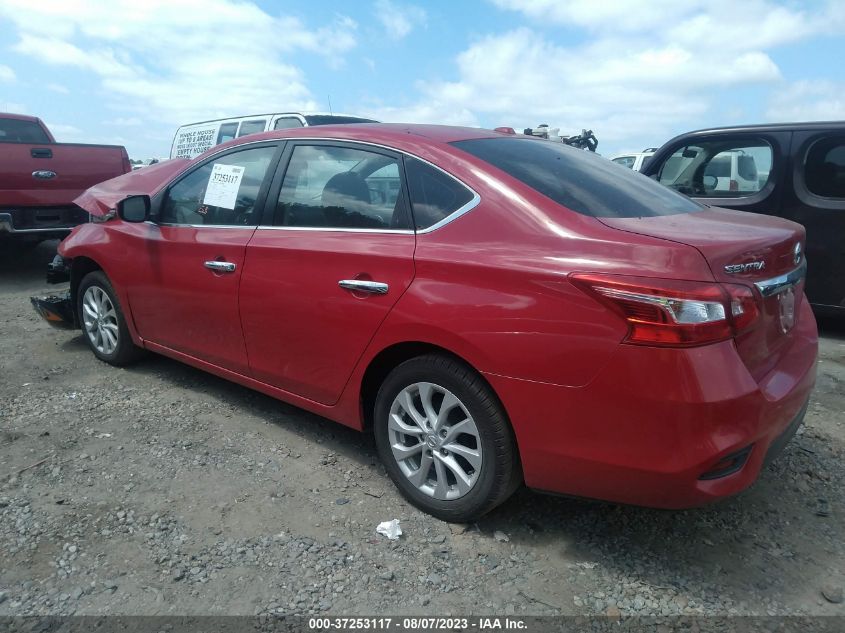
(102, 321)
(445, 439)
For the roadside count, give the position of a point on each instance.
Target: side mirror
(710, 182)
(134, 209)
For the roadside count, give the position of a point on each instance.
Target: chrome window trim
(250, 227)
(332, 229)
(469, 206)
(770, 287)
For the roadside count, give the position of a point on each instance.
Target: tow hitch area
(56, 310)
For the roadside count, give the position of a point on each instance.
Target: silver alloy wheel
(100, 320)
(435, 441)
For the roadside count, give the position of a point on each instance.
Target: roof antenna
(330, 104)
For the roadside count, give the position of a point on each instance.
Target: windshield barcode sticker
(223, 185)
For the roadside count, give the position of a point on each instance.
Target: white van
(195, 138)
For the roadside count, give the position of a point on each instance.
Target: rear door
(817, 201)
(322, 272)
(184, 293)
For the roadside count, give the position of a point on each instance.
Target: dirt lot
(159, 489)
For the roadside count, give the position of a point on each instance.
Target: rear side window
(719, 168)
(625, 161)
(227, 132)
(824, 168)
(287, 122)
(17, 131)
(577, 179)
(434, 194)
(341, 188)
(252, 127)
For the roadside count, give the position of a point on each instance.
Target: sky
(636, 72)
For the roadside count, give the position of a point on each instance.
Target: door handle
(220, 267)
(41, 152)
(359, 285)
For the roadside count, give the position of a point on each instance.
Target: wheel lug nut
(442, 432)
(444, 452)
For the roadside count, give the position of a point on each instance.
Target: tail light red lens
(673, 313)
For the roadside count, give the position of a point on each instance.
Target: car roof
(19, 117)
(769, 127)
(402, 136)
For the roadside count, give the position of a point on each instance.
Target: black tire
(124, 351)
(499, 474)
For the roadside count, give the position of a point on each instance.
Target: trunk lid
(761, 252)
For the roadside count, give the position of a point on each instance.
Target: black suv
(792, 170)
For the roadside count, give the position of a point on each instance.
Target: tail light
(673, 313)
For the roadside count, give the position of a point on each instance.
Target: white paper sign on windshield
(223, 185)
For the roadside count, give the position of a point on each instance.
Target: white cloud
(202, 59)
(808, 101)
(14, 107)
(65, 133)
(125, 122)
(399, 20)
(642, 69)
(6, 73)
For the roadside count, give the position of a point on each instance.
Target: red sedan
(496, 308)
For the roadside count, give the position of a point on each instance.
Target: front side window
(340, 187)
(625, 161)
(227, 132)
(287, 122)
(577, 179)
(252, 127)
(434, 194)
(719, 168)
(18, 131)
(220, 192)
(824, 168)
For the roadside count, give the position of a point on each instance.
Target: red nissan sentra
(496, 308)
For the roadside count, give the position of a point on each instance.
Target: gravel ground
(159, 489)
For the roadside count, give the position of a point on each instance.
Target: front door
(334, 256)
(190, 260)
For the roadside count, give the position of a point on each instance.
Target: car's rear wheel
(102, 321)
(445, 439)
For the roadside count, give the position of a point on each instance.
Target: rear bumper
(42, 221)
(667, 428)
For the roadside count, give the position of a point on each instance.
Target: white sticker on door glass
(223, 185)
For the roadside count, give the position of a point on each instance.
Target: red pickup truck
(40, 178)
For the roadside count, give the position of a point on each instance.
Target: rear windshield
(330, 119)
(578, 179)
(17, 131)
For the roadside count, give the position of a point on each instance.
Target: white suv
(634, 161)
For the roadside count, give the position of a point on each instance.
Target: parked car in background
(195, 138)
(635, 161)
(792, 170)
(495, 307)
(39, 178)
